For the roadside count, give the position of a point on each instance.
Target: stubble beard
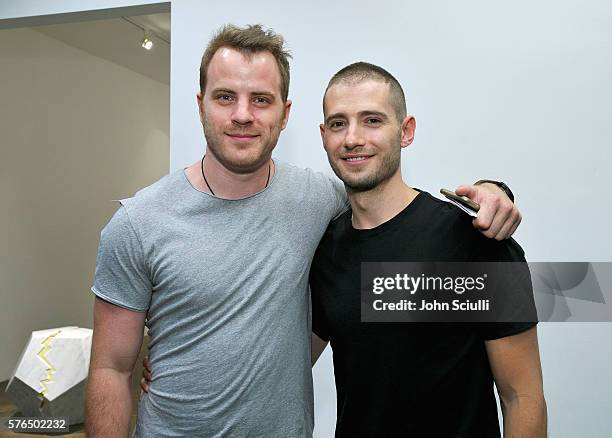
(356, 183)
(252, 163)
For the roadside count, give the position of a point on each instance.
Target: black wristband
(499, 184)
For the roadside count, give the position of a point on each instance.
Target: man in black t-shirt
(408, 379)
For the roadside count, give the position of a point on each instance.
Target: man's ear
(322, 131)
(408, 128)
(286, 116)
(200, 99)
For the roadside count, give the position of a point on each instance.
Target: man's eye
(261, 100)
(372, 121)
(336, 124)
(225, 98)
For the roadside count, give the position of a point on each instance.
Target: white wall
(518, 91)
(77, 132)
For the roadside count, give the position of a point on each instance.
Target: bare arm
(117, 338)
(515, 362)
(316, 348)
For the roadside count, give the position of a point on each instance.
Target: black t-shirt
(407, 379)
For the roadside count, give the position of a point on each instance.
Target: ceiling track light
(147, 41)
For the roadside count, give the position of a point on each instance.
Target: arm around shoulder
(498, 216)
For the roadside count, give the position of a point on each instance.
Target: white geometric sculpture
(51, 374)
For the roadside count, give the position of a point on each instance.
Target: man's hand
(498, 216)
(316, 348)
(147, 374)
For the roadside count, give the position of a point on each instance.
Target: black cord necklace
(211, 190)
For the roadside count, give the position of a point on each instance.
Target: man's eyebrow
(252, 93)
(334, 116)
(271, 93)
(380, 114)
(267, 93)
(223, 90)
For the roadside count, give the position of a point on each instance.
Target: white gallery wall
(517, 91)
(77, 132)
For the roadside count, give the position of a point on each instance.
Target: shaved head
(363, 71)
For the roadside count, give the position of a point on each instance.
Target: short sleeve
(516, 291)
(498, 330)
(121, 276)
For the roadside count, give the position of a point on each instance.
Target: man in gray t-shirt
(225, 286)
(214, 259)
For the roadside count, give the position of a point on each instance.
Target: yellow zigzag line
(42, 354)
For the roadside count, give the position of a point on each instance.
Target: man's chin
(246, 164)
(360, 186)
(357, 184)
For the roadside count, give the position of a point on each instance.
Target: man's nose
(354, 137)
(242, 114)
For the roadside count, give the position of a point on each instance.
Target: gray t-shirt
(225, 287)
